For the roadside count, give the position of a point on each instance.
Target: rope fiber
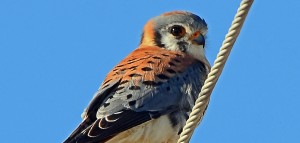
(209, 84)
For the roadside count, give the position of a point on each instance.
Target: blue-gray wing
(140, 89)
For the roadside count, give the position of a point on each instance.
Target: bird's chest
(158, 130)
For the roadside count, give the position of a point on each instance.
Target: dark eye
(177, 31)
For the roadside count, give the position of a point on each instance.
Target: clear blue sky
(54, 55)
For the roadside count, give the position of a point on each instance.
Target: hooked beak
(198, 39)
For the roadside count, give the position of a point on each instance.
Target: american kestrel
(148, 96)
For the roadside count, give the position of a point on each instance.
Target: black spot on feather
(135, 75)
(162, 76)
(134, 88)
(171, 71)
(132, 103)
(147, 69)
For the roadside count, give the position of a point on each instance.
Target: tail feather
(76, 133)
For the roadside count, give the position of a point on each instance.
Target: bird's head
(177, 31)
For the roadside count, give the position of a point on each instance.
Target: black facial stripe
(142, 38)
(157, 40)
(182, 46)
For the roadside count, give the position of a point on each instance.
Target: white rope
(203, 98)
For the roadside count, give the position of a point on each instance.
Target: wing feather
(149, 83)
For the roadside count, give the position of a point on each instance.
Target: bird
(148, 96)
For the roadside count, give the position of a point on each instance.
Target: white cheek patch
(170, 42)
(197, 51)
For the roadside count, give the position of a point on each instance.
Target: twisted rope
(209, 84)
